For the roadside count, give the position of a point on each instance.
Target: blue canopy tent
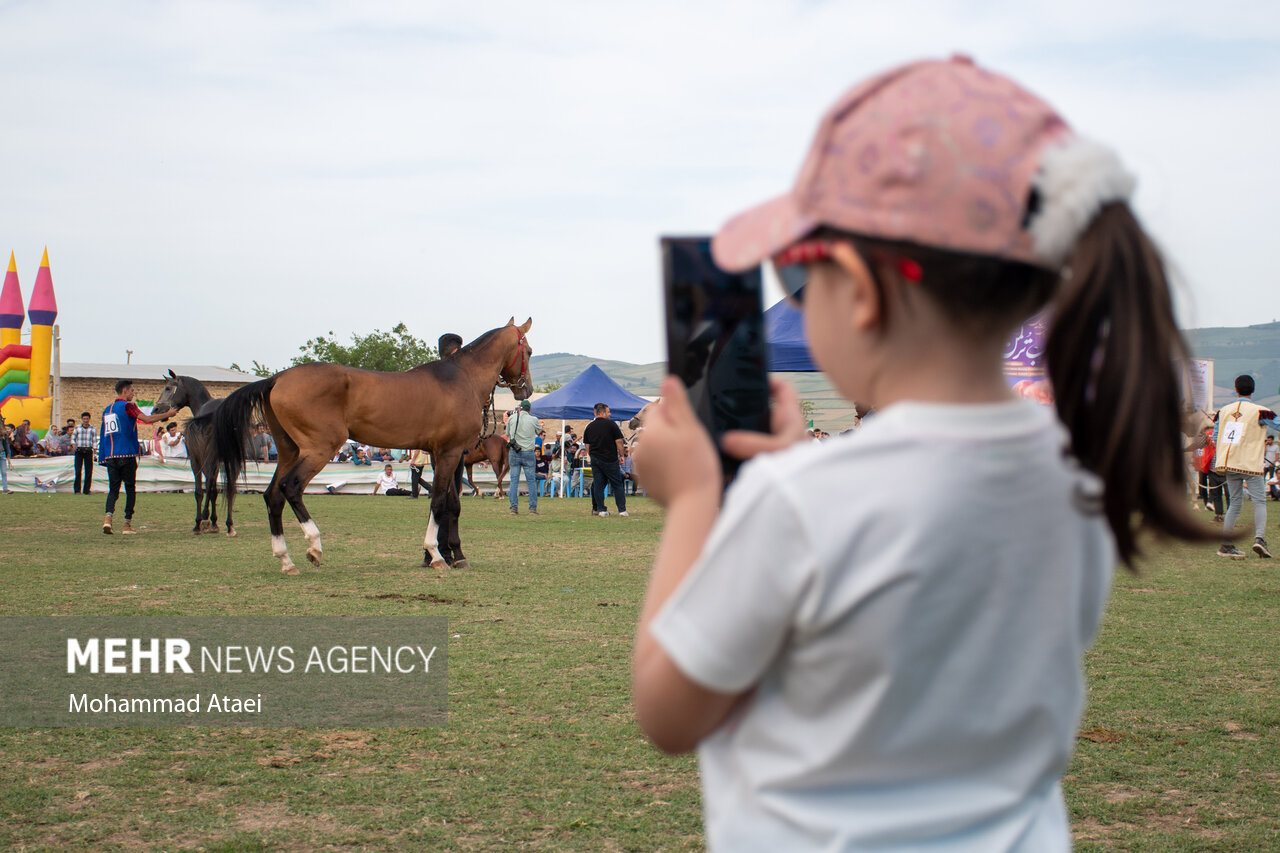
(788, 351)
(576, 400)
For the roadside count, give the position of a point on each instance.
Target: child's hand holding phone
(786, 425)
(677, 458)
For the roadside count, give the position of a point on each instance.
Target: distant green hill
(642, 379)
(1236, 350)
(830, 411)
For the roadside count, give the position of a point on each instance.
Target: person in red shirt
(1212, 484)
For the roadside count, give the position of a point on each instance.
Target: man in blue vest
(118, 449)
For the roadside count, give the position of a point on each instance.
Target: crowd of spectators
(22, 441)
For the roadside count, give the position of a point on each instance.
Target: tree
(258, 369)
(548, 387)
(391, 351)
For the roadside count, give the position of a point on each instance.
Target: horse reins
(521, 357)
(485, 415)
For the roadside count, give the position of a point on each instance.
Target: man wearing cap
(522, 430)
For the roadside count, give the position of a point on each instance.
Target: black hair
(448, 341)
(85, 415)
(1244, 385)
(122, 384)
(1113, 357)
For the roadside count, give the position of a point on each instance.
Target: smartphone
(715, 339)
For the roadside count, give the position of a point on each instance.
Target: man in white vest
(1241, 445)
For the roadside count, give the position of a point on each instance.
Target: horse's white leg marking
(312, 533)
(429, 541)
(280, 550)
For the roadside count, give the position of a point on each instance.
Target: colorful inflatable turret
(25, 385)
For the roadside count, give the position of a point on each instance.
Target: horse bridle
(520, 356)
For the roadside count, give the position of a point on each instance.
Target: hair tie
(1077, 178)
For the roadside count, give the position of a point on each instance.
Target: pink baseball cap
(939, 153)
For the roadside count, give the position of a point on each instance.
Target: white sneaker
(604, 514)
(625, 514)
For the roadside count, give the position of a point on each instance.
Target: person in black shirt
(604, 440)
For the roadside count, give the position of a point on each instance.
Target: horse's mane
(475, 346)
(483, 340)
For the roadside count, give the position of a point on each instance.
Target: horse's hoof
(438, 565)
(313, 554)
(290, 569)
(230, 532)
(462, 564)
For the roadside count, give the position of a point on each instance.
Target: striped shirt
(84, 437)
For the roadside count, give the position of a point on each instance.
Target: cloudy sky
(220, 181)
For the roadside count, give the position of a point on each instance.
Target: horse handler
(522, 431)
(118, 450)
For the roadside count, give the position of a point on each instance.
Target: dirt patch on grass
(1121, 794)
(1239, 732)
(341, 741)
(330, 745)
(269, 817)
(421, 596)
(1098, 734)
(124, 840)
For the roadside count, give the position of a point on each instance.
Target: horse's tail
(227, 427)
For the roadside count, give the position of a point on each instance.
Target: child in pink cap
(868, 674)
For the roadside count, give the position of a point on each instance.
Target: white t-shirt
(386, 481)
(911, 602)
(173, 447)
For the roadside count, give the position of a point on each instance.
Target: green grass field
(1179, 749)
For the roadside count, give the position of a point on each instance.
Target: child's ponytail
(1112, 357)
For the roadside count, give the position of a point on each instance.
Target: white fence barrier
(57, 474)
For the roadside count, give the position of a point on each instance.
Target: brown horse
(313, 408)
(493, 450)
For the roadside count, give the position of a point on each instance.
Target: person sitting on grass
(388, 484)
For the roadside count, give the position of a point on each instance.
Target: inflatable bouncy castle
(26, 391)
